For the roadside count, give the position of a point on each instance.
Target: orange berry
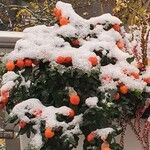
(120, 44)
(105, 146)
(22, 124)
(135, 75)
(123, 89)
(5, 96)
(63, 21)
(116, 27)
(57, 12)
(93, 60)
(28, 62)
(5, 100)
(116, 96)
(5, 93)
(10, 66)
(37, 112)
(49, 133)
(60, 60)
(74, 99)
(147, 80)
(20, 63)
(68, 59)
(71, 113)
(91, 137)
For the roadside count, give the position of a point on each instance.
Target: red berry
(5, 96)
(120, 44)
(147, 80)
(74, 99)
(116, 96)
(93, 60)
(71, 113)
(123, 89)
(5, 100)
(28, 62)
(57, 12)
(117, 27)
(68, 59)
(22, 124)
(49, 133)
(10, 66)
(60, 60)
(135, 75)
(20, 63)
(75, 42)
(63, 21)
(91, 137)
(37, 112)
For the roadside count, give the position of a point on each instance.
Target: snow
(47, 44)
(116, 73)
(24, 82)
(8, 86)
(49, 115)
(91, 101)
(148, 119)
(103, 133)
(9, 76)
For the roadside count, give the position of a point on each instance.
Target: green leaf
(130, 60)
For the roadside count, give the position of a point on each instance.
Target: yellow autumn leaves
(133, 12)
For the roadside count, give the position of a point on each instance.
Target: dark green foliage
(49, 84)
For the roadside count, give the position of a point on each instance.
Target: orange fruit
(5, 93)
(20, 63)
(116, 27)
(93, 60)
(147, 80)
(71, 113)
(5, 99)
(74, 99)
(49, 133)
(22, 124)
(135, 75)
(123, 89)
(10, 66)
(60, 60)
(91, 137)
(105, 146)
(63, 21)
(37, 112)
(120, 44)
(28, 62)
(116, 96)
(57, 12)
(5, 96)
(68, 59)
